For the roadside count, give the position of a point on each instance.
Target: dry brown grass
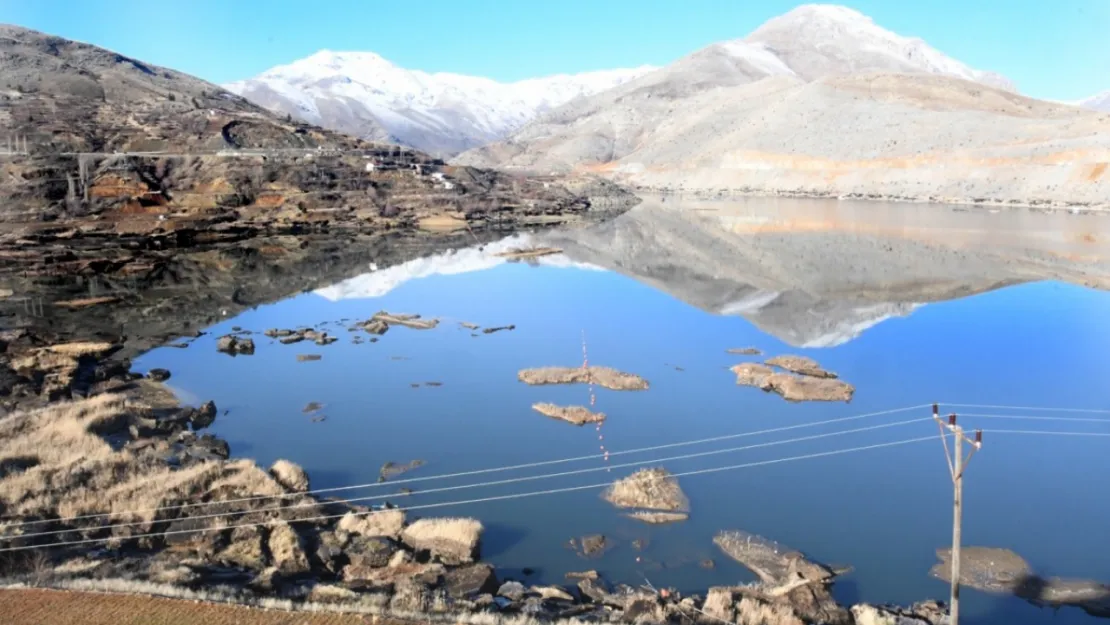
(387, 523)
(578, 415)
(604, 377)
(455, 540)
(653, 488)
(754, 612)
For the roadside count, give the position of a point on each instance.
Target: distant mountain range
(1098, 102)
(364, 95)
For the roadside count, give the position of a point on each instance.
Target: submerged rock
(451, 540)
(498, 329)
(800, 365)
(772, 562)
(658, 518)
(744, 351)
(578, 415)
(308, 357)
(158, 375)
(392, 469)
(604, 377)
(592, 545)
(653, 488)
(409, 321)
(234, 345)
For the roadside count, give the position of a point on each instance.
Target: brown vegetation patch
(653, 488)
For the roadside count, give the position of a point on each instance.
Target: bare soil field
(37, 606)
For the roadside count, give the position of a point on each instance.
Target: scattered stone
(319, 418)
(498, 329)
(364, 552)
(433, 384)
(653, 488)
(379, 523)
(744, 351)
(291, 476)
(292, 338)
(391, 469)
(578, 415)
(324, 339)
(638, 544)
(308, 357)
(511, 590)
(469, 326)
(276, 333)
(234, 346)
(468, 582)
(658, 518)
(800, 365)
(312, 406)
(583, 575)
(595, 589)
(708, 564)
(158, 375)
(553, 593)
(287, 550)
(451, 540)
(604, 377)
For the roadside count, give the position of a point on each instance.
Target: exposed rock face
(451, 540)
(468, 582)
(245, 549)
(290, 475)
(604, 377)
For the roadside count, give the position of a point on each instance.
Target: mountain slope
(1097, 102)
(209, 157)
(822, 102)
(364, 95)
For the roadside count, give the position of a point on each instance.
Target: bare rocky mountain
(1097, 102)
(75, 115)
(364, 95)
(823, 102)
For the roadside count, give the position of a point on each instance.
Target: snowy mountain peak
(365, 94)
(822, 39)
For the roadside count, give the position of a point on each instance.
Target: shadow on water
(499, 539)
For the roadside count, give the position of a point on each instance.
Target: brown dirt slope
(36, 606)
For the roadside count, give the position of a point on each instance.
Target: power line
(1035, 417)
(514, 480)
(472, 501)
(1043, 408)
(529, 465)
(1097, 434)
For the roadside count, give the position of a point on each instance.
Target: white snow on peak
(1098, 102)
(380, 282)
(439, 112)
(827, 26)
(759, 56)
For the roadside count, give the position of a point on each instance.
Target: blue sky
(1051, 48)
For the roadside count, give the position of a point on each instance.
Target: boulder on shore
(291, 476)
(378, 523)
(451, 540)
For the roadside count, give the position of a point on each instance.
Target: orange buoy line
(593, 398)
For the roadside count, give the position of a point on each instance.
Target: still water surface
(663, 292)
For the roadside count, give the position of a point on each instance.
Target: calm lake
(912, 304)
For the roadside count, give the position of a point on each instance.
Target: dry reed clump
(578, 415)
(379, 523)
(290, 475)
(800, 365)
(604, 377)
(452, 540)
(751, 611)
(653, 488)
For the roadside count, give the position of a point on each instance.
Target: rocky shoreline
(1047, 206)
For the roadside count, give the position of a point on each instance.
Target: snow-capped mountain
(1098, 102)
(817, 40)
(362, 94)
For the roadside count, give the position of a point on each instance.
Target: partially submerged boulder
(392, 469)
(792, 387)
(744, 351)
(451, 540)
(291, 476)
(230, 344)
(578, 415)
(604, 377)
(800, 365)
(654, 489)
(409, 321)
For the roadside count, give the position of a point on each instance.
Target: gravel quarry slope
(821, 102)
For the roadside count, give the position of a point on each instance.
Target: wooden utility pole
(957, 462)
